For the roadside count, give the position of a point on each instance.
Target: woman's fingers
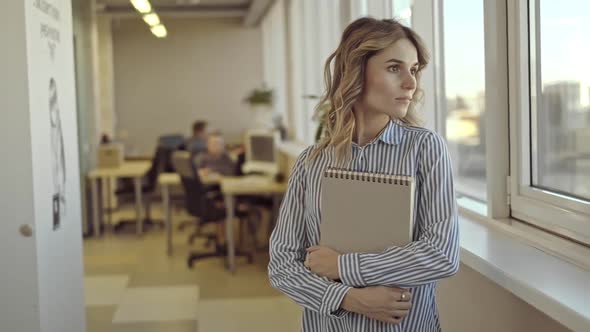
(399, 314)
(402, 305)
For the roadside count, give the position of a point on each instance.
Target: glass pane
(465, 94)
(561, 127)
(402, 10)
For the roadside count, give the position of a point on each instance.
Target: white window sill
(555, 286)
(524, 261)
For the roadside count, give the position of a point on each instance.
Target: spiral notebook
(366, 212)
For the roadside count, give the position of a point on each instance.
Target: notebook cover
(363, 212)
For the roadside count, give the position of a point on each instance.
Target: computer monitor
(261, 152)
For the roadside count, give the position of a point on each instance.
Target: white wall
(202, 70)
(470, 302)
(18, 293)
(41, 285)
(104, 55)
(274, 43)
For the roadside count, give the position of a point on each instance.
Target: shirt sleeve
(287, 254)
(435, 253)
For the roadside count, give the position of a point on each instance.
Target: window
(402, 10)
(550, 111)
(560, 84)
(464, 85)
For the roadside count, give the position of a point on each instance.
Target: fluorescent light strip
(159, 31)
(142, 6)
(151, 19)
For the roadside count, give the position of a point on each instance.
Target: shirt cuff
(349, 268)
(332, 300)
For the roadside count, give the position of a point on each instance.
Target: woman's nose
(409, 82)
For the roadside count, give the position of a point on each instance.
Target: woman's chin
(398, 113)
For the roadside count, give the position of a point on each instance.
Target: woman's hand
(386, 304)
(323, 261)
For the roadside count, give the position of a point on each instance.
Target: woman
(372, 126)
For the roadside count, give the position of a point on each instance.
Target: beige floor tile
(252, 314)
(176, 326)
(162, 279)
(108, 270)
(99, 319)
(249, 280)
(158, 304)
(104, 290)
(111, 259)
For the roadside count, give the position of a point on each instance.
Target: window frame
(559, 214)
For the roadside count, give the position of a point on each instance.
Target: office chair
(161, 162)
(203, 202)
(173, 141)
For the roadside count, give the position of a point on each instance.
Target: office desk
(129, 169)
(243, 186)
(230, 187)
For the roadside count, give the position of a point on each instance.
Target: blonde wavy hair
(361, 40)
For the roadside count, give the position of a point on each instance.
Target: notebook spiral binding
(368, 177)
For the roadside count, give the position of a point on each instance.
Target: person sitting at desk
(216, 161)
(211, 164)
(198, 142)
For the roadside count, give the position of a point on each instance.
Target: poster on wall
(53, 112)
(58, 158)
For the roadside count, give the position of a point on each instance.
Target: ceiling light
(151, 19)
(159, 31)
(142, 6)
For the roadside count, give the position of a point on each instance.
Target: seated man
(197, 143)
(216, 160)
(213, 163)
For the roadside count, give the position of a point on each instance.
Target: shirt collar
(393, 133)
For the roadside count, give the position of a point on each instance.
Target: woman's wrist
(350, 300)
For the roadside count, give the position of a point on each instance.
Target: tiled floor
(132, 285)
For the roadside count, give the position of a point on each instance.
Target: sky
(565, 45)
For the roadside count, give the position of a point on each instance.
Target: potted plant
(260, 101)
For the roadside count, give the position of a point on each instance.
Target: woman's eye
(414, 71)
(394, 69)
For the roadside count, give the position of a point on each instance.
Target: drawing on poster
(58, 160)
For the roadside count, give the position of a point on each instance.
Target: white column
(496, 109)
(378, 9)
(104, 56)
(295, 68)
(424, 23)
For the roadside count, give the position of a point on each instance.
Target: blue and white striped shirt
(433, 254)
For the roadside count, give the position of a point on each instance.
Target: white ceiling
(251, 11)
(178, 2)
